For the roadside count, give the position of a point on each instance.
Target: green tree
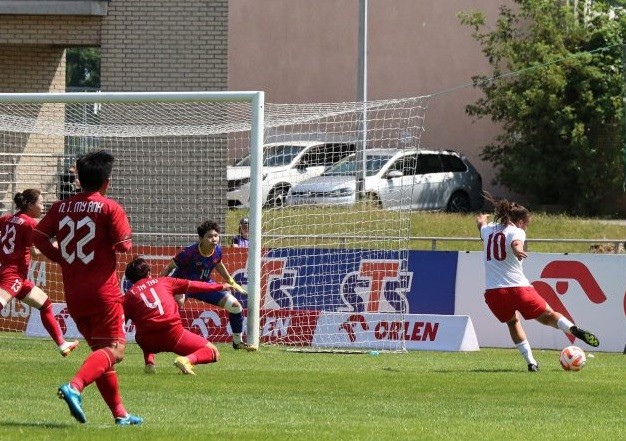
(83, 68)
(556, 91)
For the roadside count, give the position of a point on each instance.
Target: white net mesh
(333, 269)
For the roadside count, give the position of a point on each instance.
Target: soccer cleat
(67, 347)
(184, 365)
(128, 420)
(585, 336)
(149, 368)
(533, 367)
(74, 401)
(246, 346)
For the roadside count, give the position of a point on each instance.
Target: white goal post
(327, 266)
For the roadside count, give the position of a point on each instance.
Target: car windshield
(348, 166)
(275, 155)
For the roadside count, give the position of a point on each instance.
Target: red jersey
(150, 302)
(16, 238)
(89, 228)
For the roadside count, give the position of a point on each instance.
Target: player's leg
(226, 300)
(105, 335)
(503, 303)
(151, 343)
(559, 321)
(518, 335)
(36, 298)
(193, 349)
(235, 313)
(5, 298)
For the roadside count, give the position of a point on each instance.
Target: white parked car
(398, 179)
(284, 164)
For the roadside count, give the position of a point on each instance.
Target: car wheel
(372, 200)
(459, 203)
(277, 197)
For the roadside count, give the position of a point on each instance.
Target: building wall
(300, 51)
(165, 45)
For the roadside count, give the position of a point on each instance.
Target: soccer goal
(327, 263)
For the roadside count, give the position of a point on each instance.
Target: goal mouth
(315, 270)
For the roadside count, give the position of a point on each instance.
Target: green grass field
(433, 224)
(280, 395)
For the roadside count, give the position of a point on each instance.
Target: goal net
(326, 263)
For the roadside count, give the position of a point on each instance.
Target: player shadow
(479, 370)
(44, 424)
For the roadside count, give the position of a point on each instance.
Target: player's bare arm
(518, 249)
(169, 268)
(482, 219)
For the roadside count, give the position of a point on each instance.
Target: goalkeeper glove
(236, 286)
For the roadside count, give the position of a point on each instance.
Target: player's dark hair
(94, 168)
(137, 269)
(207, 226)
(28, 196)
(506, 212)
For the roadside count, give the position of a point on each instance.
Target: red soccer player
(90, 229)
(16, 241)
(152, 304)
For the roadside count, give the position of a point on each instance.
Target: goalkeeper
(196, 262)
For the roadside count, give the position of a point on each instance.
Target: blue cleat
(74, 401)
(128, 420)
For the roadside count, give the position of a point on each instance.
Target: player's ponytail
(28, 196)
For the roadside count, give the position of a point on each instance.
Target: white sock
(527, 353)
(564, 325)
(237, 337)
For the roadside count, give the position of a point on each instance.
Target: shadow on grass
(479, 371)
(43, 424)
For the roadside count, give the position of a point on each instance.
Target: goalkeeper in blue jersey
(197, 262)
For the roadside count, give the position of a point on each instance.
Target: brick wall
(146, 45)
(161, 45)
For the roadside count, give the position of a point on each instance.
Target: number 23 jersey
(502, 268)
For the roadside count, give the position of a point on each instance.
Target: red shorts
(15, 284)
(177, 340)
(103, 329)
(503, 302)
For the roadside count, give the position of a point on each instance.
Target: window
(429, 163)
(453, 163)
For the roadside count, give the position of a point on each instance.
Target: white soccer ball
(572, 358)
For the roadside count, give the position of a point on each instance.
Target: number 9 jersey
(89, 229)
(502, 268)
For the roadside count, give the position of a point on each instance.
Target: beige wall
(294, 50)
(306, 51)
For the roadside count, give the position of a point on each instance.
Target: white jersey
(502, 268)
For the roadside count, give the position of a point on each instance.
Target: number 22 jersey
(88, 228)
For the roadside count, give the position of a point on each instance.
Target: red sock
(50, 323)
(110, 390)
(97, 363)
(148, 358)
(203, 356)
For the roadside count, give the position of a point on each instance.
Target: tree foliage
(83, 68)
(556, 90)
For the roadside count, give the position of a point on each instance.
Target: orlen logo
(377, 286)
(355, 323)
(276, 284)
(576, 271)
(61, 317)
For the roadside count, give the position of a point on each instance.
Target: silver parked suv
(284, 165)
(398, 179)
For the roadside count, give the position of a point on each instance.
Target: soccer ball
(572, 358)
